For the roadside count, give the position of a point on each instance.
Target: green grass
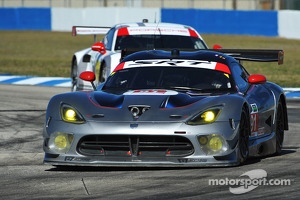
(40, 53)
(286, 75)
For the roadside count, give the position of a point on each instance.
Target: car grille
(141, 145)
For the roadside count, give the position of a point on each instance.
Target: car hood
(146, 105)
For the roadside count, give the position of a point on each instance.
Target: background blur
(203, 4)
(35, 35)
(271, 18)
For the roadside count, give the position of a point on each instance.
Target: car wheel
(74, 75)
(279, 128)
(244, 132)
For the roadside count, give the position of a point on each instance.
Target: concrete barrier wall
(289, 24)
(260, 23)
(64, 18)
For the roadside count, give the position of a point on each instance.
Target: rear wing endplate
(89, 30)
(258, 55)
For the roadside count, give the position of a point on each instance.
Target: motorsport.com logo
(252, 180)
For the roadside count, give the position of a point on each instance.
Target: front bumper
(193, 161)
(152, 155)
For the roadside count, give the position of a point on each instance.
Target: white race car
(103, 56)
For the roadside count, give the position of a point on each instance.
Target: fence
(198, 4)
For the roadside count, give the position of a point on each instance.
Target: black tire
(244, 132)
(74, 75)
(279, 128)
(103, 73)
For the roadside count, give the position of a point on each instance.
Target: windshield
(178, 78)
(159, 42)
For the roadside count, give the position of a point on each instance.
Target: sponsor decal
(134, 125)
(254, 108)
(188, 160)
(75, 159)
(151, 92)
(254, 119)
(261, 131)
(163, 31)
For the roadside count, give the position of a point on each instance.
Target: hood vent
(179, 100)
(108, 100)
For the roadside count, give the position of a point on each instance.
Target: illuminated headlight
(69, 114)
(213, 144)
(205, 117)
(60, 142)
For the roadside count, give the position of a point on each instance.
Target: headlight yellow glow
(203, 140)
(215, 143)
(60, 141)
(70, 115)
(208, 116)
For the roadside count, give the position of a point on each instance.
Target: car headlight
(212, 144)
(60, 142)
(205, 117)
(70, 114)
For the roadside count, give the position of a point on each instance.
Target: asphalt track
(24, 176)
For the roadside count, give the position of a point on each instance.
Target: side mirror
(217, 46)
(88, 76)
(99, 46)
(257, 79)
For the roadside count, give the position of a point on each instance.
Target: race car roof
(200, 59)
(155, 29)
(219, 59)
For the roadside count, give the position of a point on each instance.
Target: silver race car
(170, 108)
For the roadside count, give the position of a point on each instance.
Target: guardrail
(203, 4)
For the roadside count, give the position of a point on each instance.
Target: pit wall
(283, 23)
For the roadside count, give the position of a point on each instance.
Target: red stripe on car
(193, 33)
(123, 31)
(119, 66)
(222, 67)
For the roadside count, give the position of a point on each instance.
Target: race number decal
(151, 92)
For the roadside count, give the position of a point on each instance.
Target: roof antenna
(154, 36)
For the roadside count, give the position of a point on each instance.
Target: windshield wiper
(186, 89)
(193, 91)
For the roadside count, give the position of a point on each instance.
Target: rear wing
(89, 30)
(258, 55)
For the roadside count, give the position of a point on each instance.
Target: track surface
(23, 176)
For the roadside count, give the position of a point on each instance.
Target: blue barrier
(262, 23)
(25, 19)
